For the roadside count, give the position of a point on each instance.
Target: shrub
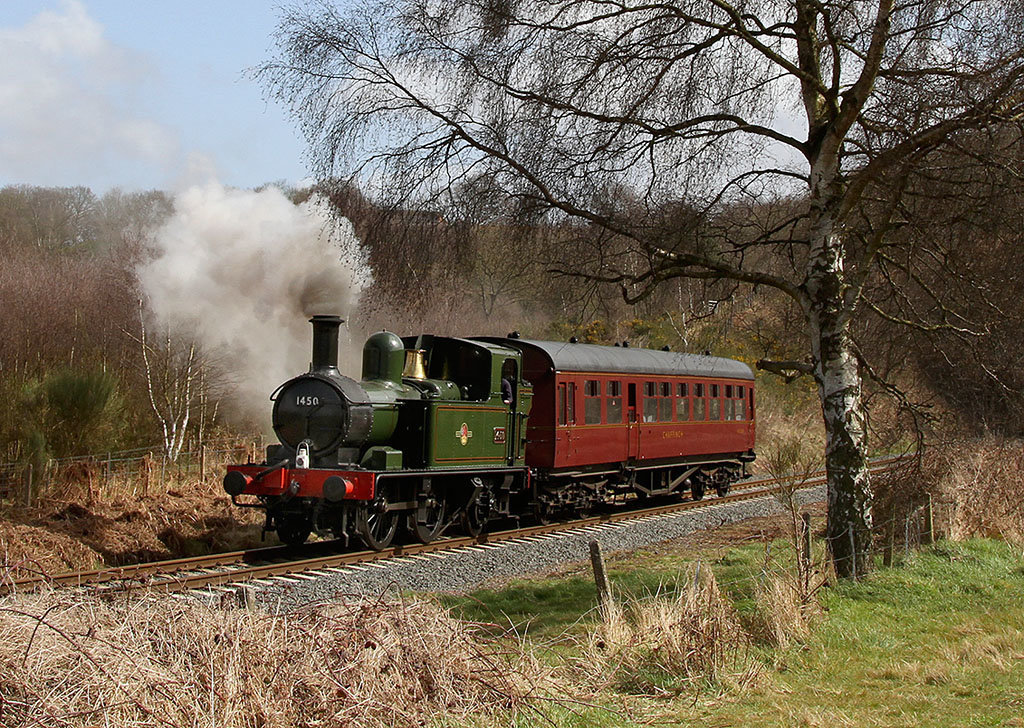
(71, 413)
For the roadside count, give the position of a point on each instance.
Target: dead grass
(667, 644)
(977, 485)
(122, 521)
(786, 609)
(166, 662)
(27, 551)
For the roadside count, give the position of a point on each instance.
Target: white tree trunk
(829, 310)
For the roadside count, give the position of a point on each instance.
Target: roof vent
(625, 344)
(514, 335)
(573, 340)
(665, 348)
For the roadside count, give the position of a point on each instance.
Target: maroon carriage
(609, 421)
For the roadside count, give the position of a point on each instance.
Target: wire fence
(134, 471)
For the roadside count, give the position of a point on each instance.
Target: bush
(71, 413)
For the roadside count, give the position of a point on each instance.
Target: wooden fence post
(853, 552)
(805, 533)
(890, 537)
(27, 495)
(927, 537)
(604, 589)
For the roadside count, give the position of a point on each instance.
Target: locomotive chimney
(325, 343)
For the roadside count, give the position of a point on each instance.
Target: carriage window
(682, 408)
(613, 404)
(560, 404)
(715, 390)
(741, 409)
(698, 390)
(728, 405)
(739, 392)
(715, 408)
(665, 402)
(591, 402)
(699, 404)
(570, 403)
(681, 389)
(650, 402)
(728, 391)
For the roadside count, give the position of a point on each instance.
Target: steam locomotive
(449, 433)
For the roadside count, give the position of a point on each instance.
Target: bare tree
(178, 381)
(790, 126)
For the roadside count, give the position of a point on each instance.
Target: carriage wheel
(697, 489)
(375, 525)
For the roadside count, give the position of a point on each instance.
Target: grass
(937, 641)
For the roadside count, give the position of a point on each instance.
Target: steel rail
(238, 566)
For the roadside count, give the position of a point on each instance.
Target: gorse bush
(71, 413)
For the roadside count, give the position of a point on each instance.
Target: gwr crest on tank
(464, 433)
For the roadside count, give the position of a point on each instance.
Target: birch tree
(178, 384)
(814, 113)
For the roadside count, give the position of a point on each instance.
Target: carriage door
(633, 434)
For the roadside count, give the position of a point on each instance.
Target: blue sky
(138, 95)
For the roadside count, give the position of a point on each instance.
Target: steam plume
(242, 271)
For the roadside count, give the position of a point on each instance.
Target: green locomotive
(433, 434)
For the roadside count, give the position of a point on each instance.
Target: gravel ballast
(466, 568)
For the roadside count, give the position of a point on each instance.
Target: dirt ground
(61, 536)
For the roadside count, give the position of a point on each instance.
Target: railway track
(237, 567)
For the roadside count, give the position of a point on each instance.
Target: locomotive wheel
(431, 529)
(293, 531)
(376, 526)
(474, 518)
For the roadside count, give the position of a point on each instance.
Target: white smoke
(241, 272)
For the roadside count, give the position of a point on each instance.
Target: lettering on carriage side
(464, 433)
(499, 435)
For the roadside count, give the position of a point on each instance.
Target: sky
(140, 95)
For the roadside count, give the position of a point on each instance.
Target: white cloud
(64, 102)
